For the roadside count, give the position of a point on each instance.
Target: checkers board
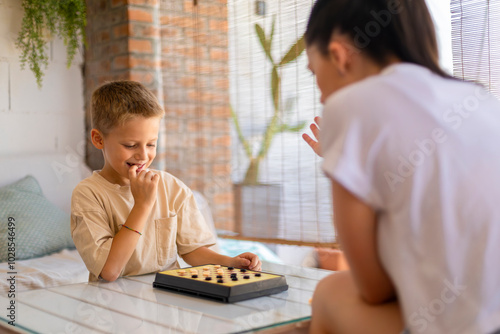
(225, 284)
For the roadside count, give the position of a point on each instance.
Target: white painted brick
(70, 135)
(34, 133)
(46, 120)
(59, 52)
(27, 133)
(4, 86)
(61, 91)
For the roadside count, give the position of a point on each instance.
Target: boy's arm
(356, 227)
(204, 255)
(144, 188)
(124, 243)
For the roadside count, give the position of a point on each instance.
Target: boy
(125, 218)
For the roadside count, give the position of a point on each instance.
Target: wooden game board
(220, 284)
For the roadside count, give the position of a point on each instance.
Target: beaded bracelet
(131, 229)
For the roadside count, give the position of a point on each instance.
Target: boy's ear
(97, 139)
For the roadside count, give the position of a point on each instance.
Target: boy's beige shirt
(175, 225)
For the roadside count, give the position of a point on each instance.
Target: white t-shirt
(424, 152)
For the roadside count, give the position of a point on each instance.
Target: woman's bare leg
(338, 308)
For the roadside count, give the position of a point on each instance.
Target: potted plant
(265, 197)
(44, 19)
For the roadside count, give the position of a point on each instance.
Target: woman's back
(422, 150)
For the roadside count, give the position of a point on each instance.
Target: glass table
(132, 305)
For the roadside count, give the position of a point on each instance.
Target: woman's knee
(328, 301)
(337, 307)
(336, 283)
(333, 290)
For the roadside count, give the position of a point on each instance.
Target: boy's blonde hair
(116, 102)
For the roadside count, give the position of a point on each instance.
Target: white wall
(33, 120)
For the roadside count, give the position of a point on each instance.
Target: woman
(414, 162)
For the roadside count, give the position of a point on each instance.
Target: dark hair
(116, 102)
(381, 28)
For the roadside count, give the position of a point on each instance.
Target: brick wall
(180, 51)
(123, 38)
(194, 61)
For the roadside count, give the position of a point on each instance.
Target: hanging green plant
(44, 19)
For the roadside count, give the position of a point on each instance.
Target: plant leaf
(294, 52)
(266, 45)
(41, 21)
(290, 128)
(71, 26)
(272, 31)
(275, 87)
(271, 130)
(244, 142)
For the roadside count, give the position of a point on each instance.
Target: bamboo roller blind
(476, 42)
(292, 203)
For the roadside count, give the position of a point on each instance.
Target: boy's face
(133, 143)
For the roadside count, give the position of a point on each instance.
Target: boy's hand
(144, 186)
(247, 260)
(315, 130)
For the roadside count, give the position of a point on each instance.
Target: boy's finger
(143, 174)
(243, 262)
(317, 120)
(132, 171)
(149, 175)
(255, 261)
(155, 178)
(256, 267)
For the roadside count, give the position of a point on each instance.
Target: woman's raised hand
(315, 130)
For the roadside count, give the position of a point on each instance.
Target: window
(292, 201)
(476, 42)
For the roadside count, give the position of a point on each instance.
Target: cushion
(38, 227)
(57, 173)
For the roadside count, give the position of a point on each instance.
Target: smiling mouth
(139, 167)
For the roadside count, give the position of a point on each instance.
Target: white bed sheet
(65, 267)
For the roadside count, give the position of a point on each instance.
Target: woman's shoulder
(397, 87)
